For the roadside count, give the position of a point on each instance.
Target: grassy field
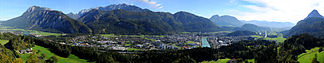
(33, 31)
(209, 62)
(3, 42)
(272, 33)
(310, 54)
(133, 49)
(222, 60)
(127, 44)
(256, 37)
(279, 39)
(44, 33)
(251, 60)
(225, 60)
(108, 35)
(48, 34)
(218, 61)
(71, 59)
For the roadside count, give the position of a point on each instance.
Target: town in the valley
(181, 41)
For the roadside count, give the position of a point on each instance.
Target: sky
(263, 10)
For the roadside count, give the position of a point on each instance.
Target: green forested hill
(146, 22)
(313, 26)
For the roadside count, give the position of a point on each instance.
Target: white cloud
(152, 3)
(232, 1)
(2, 18)
(280, 10)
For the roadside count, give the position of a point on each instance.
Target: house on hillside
(28, 50)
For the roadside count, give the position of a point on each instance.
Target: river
(204, 42)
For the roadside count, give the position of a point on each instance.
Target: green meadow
(71, 59)
(3, 42)
(310, 55)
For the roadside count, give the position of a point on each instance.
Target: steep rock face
(313, 24)
(45, 19)
(226, 21)
(112, 7)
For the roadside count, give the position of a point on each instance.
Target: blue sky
(270, 10)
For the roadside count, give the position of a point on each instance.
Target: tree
(53, 59)
(33, 58)
(315, 59)
(185, 59)
(18, 61)
(43, 56)
(38, 51)
(320, 50)
(4, 58)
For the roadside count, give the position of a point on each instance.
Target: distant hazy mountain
(226, 21)
(313, 24)
(254, 28)
(242, 33)
(45, 19)
(73, 16)
(134, 20)
(271, 24)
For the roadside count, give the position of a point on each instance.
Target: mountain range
(125, 7)
(312, 24)
(271, 24)
(45, 19)
(231, 22)
(124, 20)
(130, 19)
(118, 19)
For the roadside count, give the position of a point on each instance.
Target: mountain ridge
(109, 8)
(314, 13)
(226, 20)
(45, 19)
(312, 25)
(145, 21)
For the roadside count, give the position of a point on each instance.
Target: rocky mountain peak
(314, 13)
(37, 8)
(215, 16)
(113, 7)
